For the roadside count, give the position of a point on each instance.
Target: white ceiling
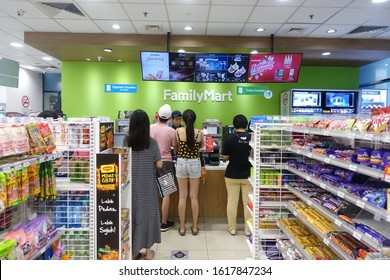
(207, 17)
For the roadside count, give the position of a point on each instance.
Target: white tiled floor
(212, 243)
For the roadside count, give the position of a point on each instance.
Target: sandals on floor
(195, 232)
(182, 233)
(139, 256)
(152, 258)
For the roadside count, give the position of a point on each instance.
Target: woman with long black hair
(188, 169)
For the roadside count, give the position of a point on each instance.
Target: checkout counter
(212, 196)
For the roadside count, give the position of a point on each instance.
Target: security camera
(100, 58)
(19, 13)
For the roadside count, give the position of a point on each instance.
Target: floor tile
(218, 240)
(192, 255)
(229, 255)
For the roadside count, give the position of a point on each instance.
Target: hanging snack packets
(48, 137)
(6, 147)
(33, 179)
(23, 184)
(3, 191)
(12, 188)
(37, 145)
(19, 136)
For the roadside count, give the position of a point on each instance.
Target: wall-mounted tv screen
(221, 68)
(340, 99)
(181, 67)
(306, 99)
(274, 68)
(155, 66)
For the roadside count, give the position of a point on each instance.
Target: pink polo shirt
(165, 137)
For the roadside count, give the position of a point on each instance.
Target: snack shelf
(371, 172)
(47, 245)
(327, 241)
(250, 226)
(290, 237)
(250, 211)
(273, 204)
(28, 160)
(250, 246)
(377, 211)
(359, 135)
(271, 233)
(252, 182)
(342, 224)
(251, 197)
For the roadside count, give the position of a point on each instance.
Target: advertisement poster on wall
(107, 207)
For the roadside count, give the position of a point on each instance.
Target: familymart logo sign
(194, 96)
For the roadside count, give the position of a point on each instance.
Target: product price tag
(299, 152)
(327, 160)
(292, 241)
(6, 168)
(309, 202)
(388, 218)
(18, 166)
(326, 241)
(357, 235)
(308, 178)
(377, 217)
(323, 186)
(326, 132)
(337, 222)
(351, 135)
(368, 136)
(289, 149)
(26, 164)
(42, 159)
(360, 203)
(341, 194)
(310, 155)
(295, 213)
(306, 131)
(352, 167)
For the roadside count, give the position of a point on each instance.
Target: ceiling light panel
(198, 28)
(250, 29)
(235, 2)
(280, 3)
(327, 3)
(106, 27)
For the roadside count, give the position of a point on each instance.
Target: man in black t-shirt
(236, 149)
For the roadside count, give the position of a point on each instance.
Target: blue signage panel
(120, 88)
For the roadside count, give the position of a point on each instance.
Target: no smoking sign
(25, 101)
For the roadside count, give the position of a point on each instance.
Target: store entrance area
(212, 243)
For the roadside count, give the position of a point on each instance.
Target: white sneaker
(232, 231)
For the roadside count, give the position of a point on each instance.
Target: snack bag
(33, 179)
(7, 249)
(23, 184)
(19, 138)
(3, 191)
(12, 188)
(6, 146)
(48, 137)
(37, 144)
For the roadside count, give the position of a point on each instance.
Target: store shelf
(250, 226)
(250, 246)
(250, 211)
(371, 172)
(359, 135)
(48, 244)
(273, 204)
(64, 184)
(28, 160)
(290, 237)
(271, 234)
(342, 224)
(379, 213)
(328, 242)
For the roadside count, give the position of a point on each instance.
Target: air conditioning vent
(296, 30)
(152, 28)
(62, 7)
(368, 29)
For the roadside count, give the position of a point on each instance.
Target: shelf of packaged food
(65, 184)
(377, 211)
(28, 160)
(342, 224)
(290, 237)
(328, 242)
(371, 172)
(250, 210)
(273, 204)
(251, 197)
(252, 161)
(250, 246)
(41, 250)
(252, 182)
(250, 226)
(359, 135)
(271, 233)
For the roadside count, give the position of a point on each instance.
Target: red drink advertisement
(274, 68)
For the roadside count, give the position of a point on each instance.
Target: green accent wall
(83, 91)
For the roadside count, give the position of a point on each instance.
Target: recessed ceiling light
(181, 51)
(108, 50)
(254, 52)
(88, 59)
(119, 60)
(17, 45)
(47, 58)
(326, 53)
(260, 29)
(188, 28)
(116, 26)
(331, 31)
(378, 1)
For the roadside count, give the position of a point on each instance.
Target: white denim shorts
(188, 168)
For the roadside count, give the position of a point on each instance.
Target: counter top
(222, 166)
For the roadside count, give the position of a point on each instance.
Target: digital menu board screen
(274, 68)
(155, 66)
(181, 67)
(221, 68)
(306, 99)
(340, 99)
